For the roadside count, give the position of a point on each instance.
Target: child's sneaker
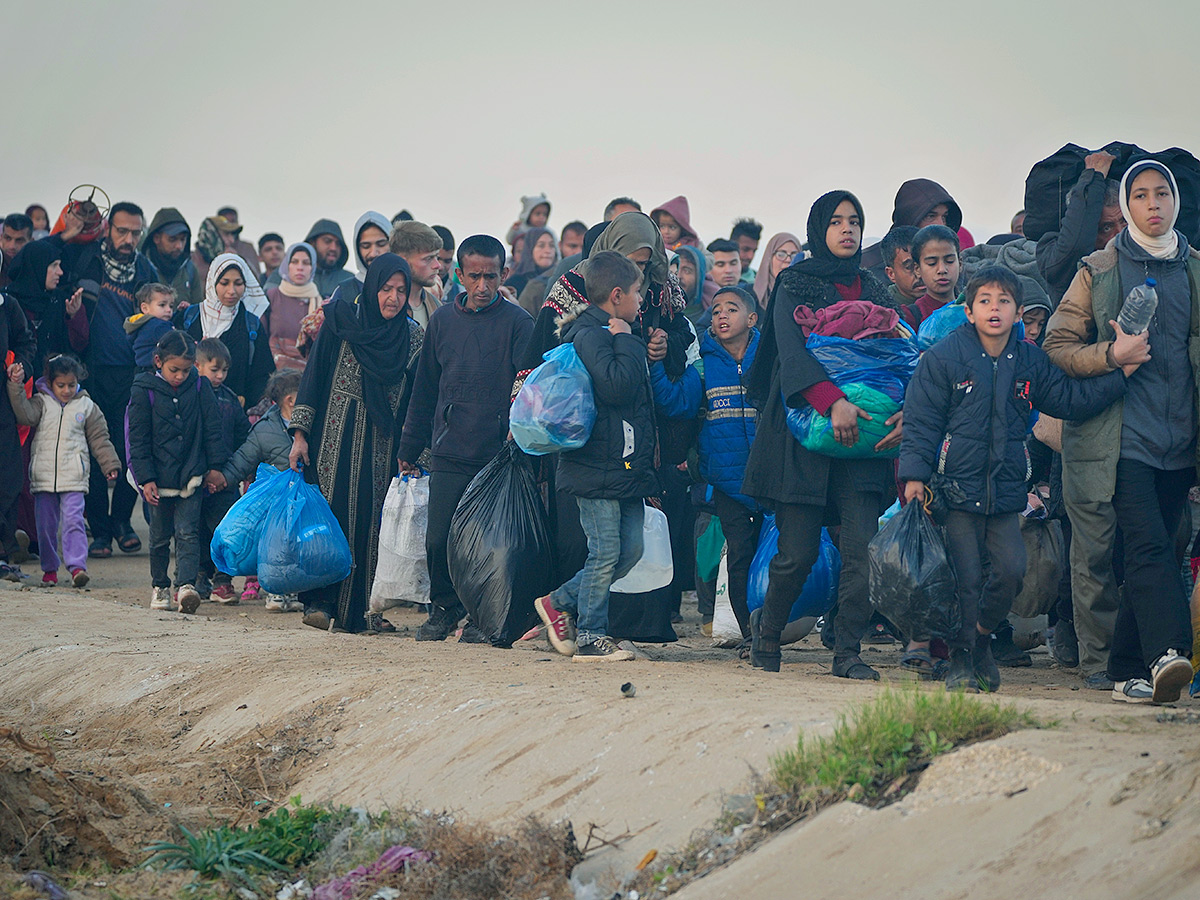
(1135, 690)
(559, 628)
(79, 576)
(49, 578)
(188, 598)
(160, 598)
(1170, 673)
(223, 593)
(603, 648)
(10, 572)
(1194, 690)
(274, 602)
(251, 591)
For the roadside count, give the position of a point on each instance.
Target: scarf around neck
(307, 291)
(215, 316)
(1165, 246)
(116, 270)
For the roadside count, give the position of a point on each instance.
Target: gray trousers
(1093, 585)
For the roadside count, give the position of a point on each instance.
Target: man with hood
(919, 202)
(168, 247)
(371, 233)
(673, 219)
(326, 237)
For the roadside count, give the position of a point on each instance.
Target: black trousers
(1153, 616)
(445, 490)
(108, 386)
(741, 526)
(681, 523)
(12, 480)
(988, 555)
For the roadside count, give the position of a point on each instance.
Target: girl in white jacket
(68, 424)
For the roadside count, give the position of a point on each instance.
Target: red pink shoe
(559, 628)
(49, 578)
(79, 576)
(223, 593)
(250, 591)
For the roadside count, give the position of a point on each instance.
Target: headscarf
(307, 291)
(208, 237)
(628, 233)
(1166, 246)
(215, 316)
(380, 345)
(527, 269)
(823, 263)
(763, 282)
(28, 273)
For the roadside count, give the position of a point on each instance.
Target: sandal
(378, 624)
(919, 662)
(129, 542)
(853, 667)
(99, 549)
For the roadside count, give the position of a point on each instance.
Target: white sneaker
(188, 598)
(1135, 690)
(274, 602)
(292, 604)
(1171, 673)
(160, 598)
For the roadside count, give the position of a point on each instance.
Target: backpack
(252, 324)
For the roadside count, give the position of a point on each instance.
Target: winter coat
(617, 462)
(144, 333)
(715, 385)
(1059, 252)
(187, 281)
(916, 199)
(1078, 339)
(249, 344)
(268, 442)
(677, 208)
(173, 435)
(966, 416)
(59, 455)
(234, 423)
(16, 337)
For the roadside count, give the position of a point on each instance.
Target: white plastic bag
(402, 574)
(655, 569)
(725, 629)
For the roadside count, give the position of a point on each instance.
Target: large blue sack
(885, 364)
(820, 590)
(940, 323)
(555, 408)
(234, 546)
(302, 546)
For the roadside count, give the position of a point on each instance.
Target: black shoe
(473, 634)
(1005, 652)
(853, 667)
(440, 624)
(1098, 681)
(961, 674)
(755, 628)
(827, 633)
(987, 674)
(768, 654)
(1064, 646)
(317, 618)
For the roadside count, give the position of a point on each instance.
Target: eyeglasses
(784, 255)
(135, 233)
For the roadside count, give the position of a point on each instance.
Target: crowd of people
(147, 361)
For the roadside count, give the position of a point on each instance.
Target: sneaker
(251, 591)
(601, 648)
(274, 602)
(1194, 690)
(49, 578)
(1135, 690)
(1170, 675)
(441, 623)
(292, 604)
(188, 598)
(160, 598)
(1065, 645)
(473, 634)
(21, 554)
(559, 628)
(987, 673)
(1005, 652)
(223, 593)
(79, 576)
(1098, 681)
(10, 572)
(960, 676)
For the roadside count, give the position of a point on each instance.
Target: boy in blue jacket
(614, 470)
(716, 383)
(965, 417)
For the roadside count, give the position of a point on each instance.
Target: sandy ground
(157, 717)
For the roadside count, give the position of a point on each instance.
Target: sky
(453, 110)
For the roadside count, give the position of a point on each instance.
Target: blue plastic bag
(939, 323)
(302, 546)
(555, 408)
(885, 364)
(234, 546)
(820, 590)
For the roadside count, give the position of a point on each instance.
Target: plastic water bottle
(1139, 308)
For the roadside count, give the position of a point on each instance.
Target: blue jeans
(614, 539)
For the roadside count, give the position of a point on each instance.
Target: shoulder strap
(190, 314)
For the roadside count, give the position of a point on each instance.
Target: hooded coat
(181, 275)
(528, 205)
(677, 208)
(916, 199)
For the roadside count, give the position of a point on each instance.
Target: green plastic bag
(815, 433)
(708, 550)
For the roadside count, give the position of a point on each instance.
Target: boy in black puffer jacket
(614, 470)
(966, 413)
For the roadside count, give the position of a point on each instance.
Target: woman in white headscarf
(231, 311)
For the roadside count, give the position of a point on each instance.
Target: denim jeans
(614, 538)
(177, 517)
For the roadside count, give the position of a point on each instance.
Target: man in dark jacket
(16, 337)
(332, 255)
(168, 247)
(459, 407)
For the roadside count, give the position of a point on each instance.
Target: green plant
(289, 835)
(222, 852)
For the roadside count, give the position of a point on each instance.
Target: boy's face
(903, 273)
(669, 228)
(938, 269)
(214, 370)
(994, 312)
(1034, 320)
(731, 319)
(727, 268)
(158, 306)
(628, 303)
(64, 388)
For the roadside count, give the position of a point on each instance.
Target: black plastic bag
(501, 557)
(911, 580)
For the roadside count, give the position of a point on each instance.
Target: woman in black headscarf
(350, 410)
(807, 489)
(56, 321)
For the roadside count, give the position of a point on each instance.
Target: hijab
(1166, 246)
(209, 241)
(822, 263)
(628, 233)
(307, 291)
(527, 269)
(763, 282)
(380, 345)
(28, 274)
(215, 316)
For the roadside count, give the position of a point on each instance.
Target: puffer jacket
(268, 442)
(966, 416)
(617, 462)
(716, 384)
(58, 458)
(173, 435)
